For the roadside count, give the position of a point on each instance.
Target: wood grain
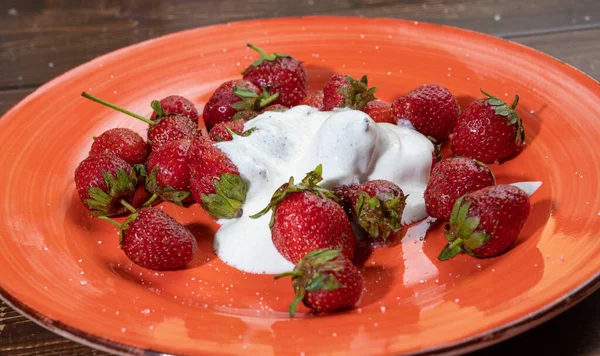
(40, 40)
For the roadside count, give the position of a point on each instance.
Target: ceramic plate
(64, 269)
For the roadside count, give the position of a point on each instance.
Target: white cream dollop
(352, 149)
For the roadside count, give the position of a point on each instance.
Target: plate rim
(468, 344)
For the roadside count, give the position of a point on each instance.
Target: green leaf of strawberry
(230, 195)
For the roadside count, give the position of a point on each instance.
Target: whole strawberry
(224, 131)
(220, 107)
(343, 91)
(106, 184)
(215, 181)
(431, 109)
(281, 73)
(451, 179)
(376, 206)
(173, 105)
(170, 128)
(163, 129)
(154, 240)
(485, 223)
(123, 143)
(307, 217)
(315, 100)
(325, 281)
(379, 111)
(167, 171)
(488, 130)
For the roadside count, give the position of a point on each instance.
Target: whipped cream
(352, 149)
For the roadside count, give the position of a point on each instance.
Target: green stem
(455, 243)
(151, 200)
(264, 102)
(515, 102)
(297, 299)
(113, 106)
(262, 53)
(290, 273)
(106, 218)
(128, 206)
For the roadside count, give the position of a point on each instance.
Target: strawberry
(223, 130)
(343, 91)
(486, 222)
(106, 184)
(163, 129)
(376, 206)
(431, 109)
(379, 111)
(154, 240)
(306, 217)
(224, 105)
(325, 281)
(451, 179)
(123, 143)
(281, 73)
(488, 130)
(173, 105)
(167, 171)
(215, 181)
(315, 100)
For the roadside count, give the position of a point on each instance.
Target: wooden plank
(581, 49)
(40, 40)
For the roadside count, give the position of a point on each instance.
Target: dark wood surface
(42, 39)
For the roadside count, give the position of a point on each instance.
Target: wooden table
(42, 39)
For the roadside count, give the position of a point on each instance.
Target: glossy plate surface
(65, 269)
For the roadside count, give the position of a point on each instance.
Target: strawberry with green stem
(325, 281)
(174, 105)
(215, 181)
(282, 73)
(164, 129)
(235, 100)
(305, 217)
(167, 171)
(343, 91)
(106, 184)
(486, 222)
(488, 130)
(152, 239)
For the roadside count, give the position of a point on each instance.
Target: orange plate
(65, 270)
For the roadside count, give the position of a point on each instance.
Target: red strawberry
(488, 130)
(485, 223)
(171, 128)
(376, 206)
(222, 131)
(215, 181)
(343, 91)
(315, 100)
(163, 130)
(431, 109)
(325, 281)
(167, 171)
(219, 107)
(154, 240)
(451, 179)
(281, 73)
(123, 143)
(379, 111)
(173, 105)
(306, 217)
(106, 184)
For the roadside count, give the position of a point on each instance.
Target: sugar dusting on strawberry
(325, 281)
(489, 130)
